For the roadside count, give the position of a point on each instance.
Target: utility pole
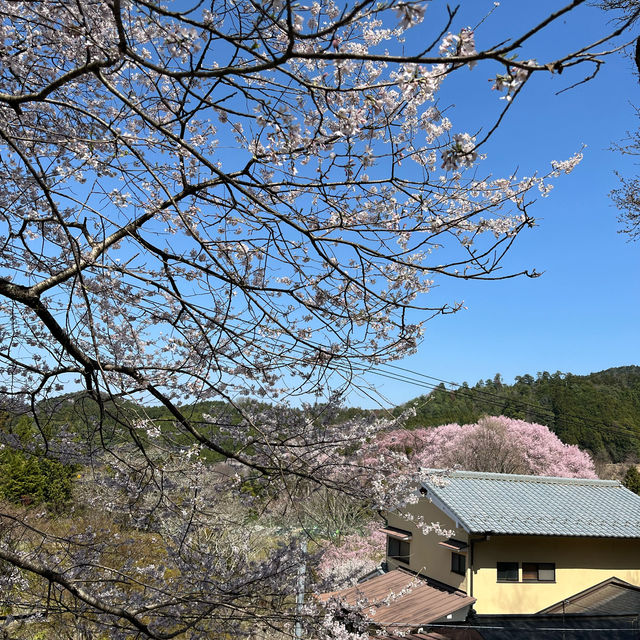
(302, 572)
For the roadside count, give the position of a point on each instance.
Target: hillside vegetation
(599, 412)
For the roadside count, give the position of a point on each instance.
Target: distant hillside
(599, 412)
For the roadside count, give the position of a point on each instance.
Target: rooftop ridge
(513, 477)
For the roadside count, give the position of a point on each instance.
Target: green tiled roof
(502, 503)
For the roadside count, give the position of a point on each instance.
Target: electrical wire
(421, 380)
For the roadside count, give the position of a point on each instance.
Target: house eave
(428, 493)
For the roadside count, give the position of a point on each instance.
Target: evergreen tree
(632, 479)
(26, 476)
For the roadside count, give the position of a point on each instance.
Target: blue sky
(583, 313)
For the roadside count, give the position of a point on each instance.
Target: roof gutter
(472, 543)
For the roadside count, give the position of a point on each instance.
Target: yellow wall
(427, 557)
(580, 563)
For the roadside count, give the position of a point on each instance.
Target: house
(518, 544)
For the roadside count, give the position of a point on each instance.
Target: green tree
(27, 477)
(631, 479)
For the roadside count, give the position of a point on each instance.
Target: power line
(470, 392)
(421, 380)
(536, 409)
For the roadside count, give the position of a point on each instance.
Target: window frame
(456, 560)
(405, 558)
(538, 567)
(507, 580)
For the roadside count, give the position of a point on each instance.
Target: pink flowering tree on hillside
(354, 556)
(497, 444)
(204, 201)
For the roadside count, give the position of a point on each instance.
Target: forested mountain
(599, 412)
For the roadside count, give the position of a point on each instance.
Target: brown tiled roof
(610, 597)
(401, 599)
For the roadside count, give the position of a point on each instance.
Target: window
(458, 563)
(508, 572)
(398, 543)
(538, 572)
(398, 549)
(531, 572)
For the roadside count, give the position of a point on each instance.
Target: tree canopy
(495, 444)
(631, 479)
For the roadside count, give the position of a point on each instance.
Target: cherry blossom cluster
(494, 443)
